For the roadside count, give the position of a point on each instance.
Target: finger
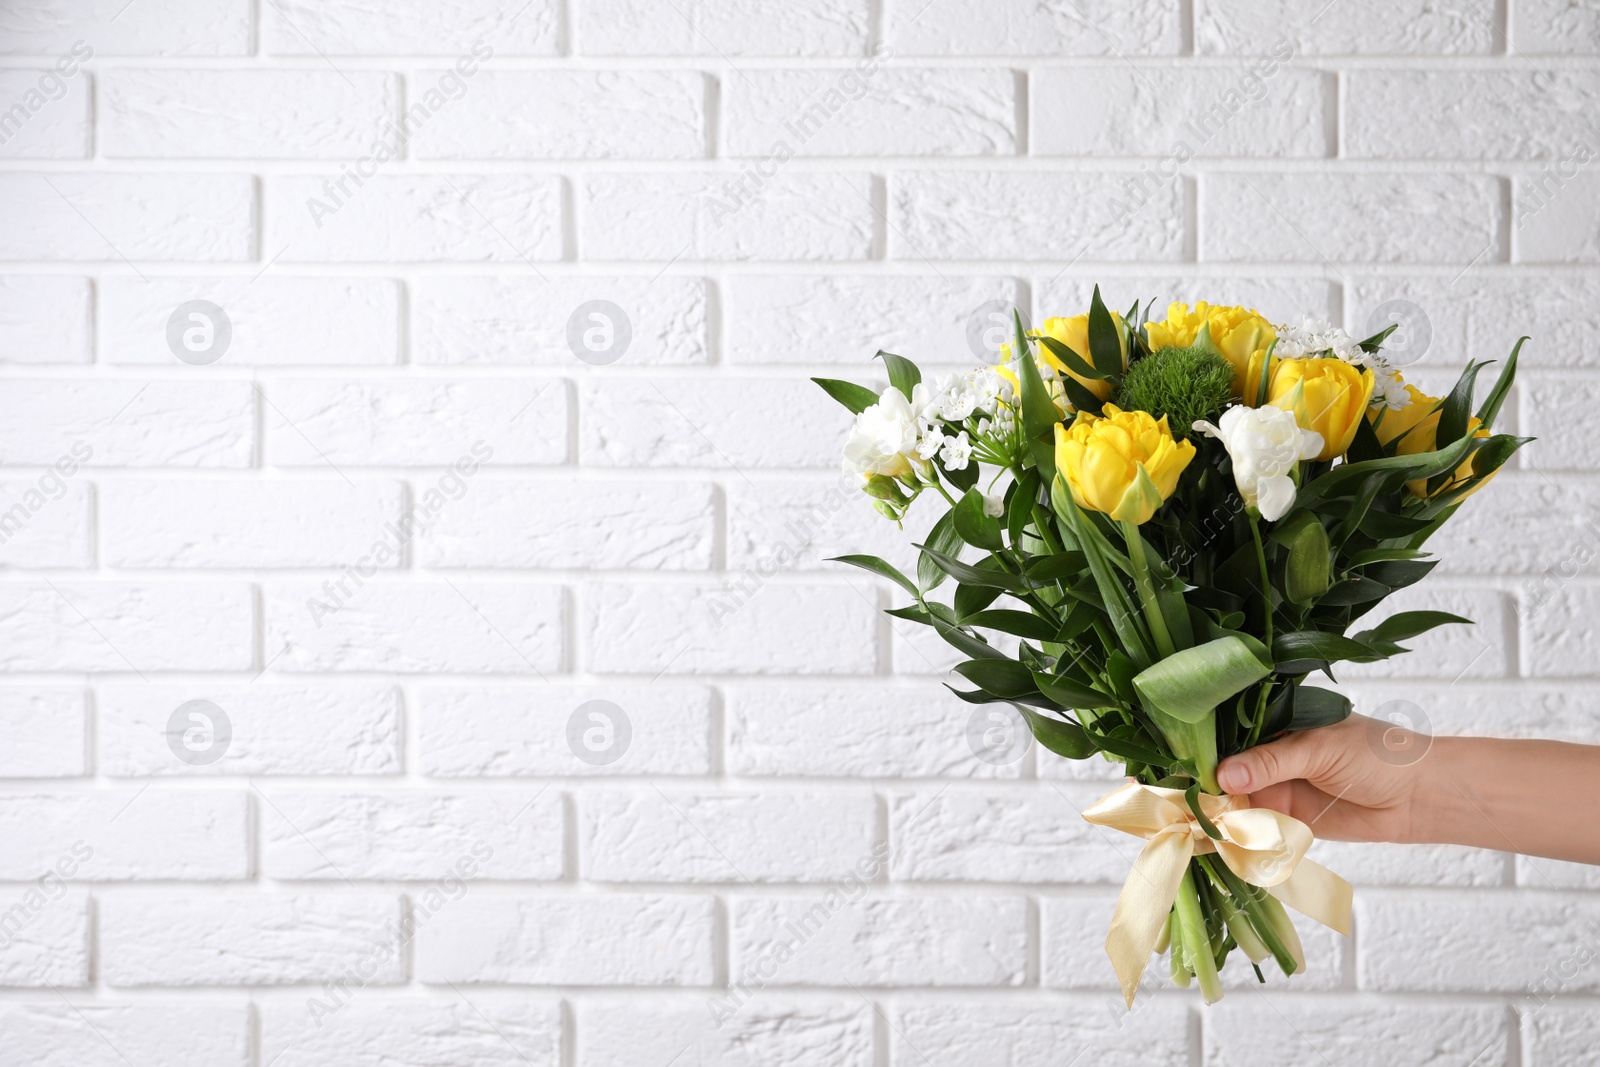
(1300, 755)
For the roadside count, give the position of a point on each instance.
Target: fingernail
(1234, 777)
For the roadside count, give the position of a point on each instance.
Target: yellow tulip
(1074, 333)
(1241, 335)
(1416, 428)
(1329, 396)
(1122, 463)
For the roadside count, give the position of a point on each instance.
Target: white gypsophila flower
(881, 437)
(990, 389)
(932, 438)
(1315, 338)
(1265, 444)
(956, 452)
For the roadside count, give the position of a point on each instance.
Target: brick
(120, 218)
(322, 523)
(793, 525)
(794, 1032)
(411, 836)
(1520, 708)
(1554, 1034)
(1034, 215)
(1025, 1029)
(117, 627)
(52, 1034)
(43, 733)
(1412, 27)
(1556, 215)
(409, 628)
(459, 424)
(575, 525)
(244, 114)
(867, 109)
(44, 114)
(1536, 872)
(1553, 26)
(852, 731)
(1266, 110)
(678, 629)
(708, 422)
(1033, 836)
(1527, 524)
(111, 423)
(250, 940)
(497, 733)
(46, 523)
(44, 937)
(1258, 1031)
(490, 1032)
(1518, 940)
(734, 836)
(126, 835)
(178, 28)
(466, 30)
(275, 729)
(616, 939)
(1283, 300)
(1453, 219)
(1444, 114)
(45, 319)
(1550, 402)
(571, 114)
(1053, 28)
(711, 29)
(782, 214)
(1387, 864)
(931, 320)
(415, 218)
(839, 937)
(1073, 951)
(272, 321)
(1560, 636)
(531, 321)
(1451, 652)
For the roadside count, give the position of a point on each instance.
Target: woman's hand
(1353, 781)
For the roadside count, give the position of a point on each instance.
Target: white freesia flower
(1265, 444)
(994, 504)
(956, 451)
(882, 437)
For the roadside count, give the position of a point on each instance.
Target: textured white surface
(547, 711)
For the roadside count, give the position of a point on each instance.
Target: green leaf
(1397, 574)
(1457, 407)
(1071, 694)
(976, 528)
(1386, 524)
(903, 374)
(1128, 626)
(857, 398)
(1016, 623)
(1497, 396)
(1353, 590)
(1305, 650)
(1075, 362)
(1192, 796)
(973, 646)
(1407, 624)
(1058, 566)
(944, 539)
(882, 568)
(1004, 678)
(1105, 347)
(1382, 555)
(1422, 465)
(1038, 410)
(1375, 342)
(1313, 707)
(1307, 564)
(972, 598)
(968, 574)
(1188, 685)
(1059, 736)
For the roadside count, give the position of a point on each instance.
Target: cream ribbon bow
(1264, 847)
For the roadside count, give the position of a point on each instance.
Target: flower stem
(1192, 921)
(1147, 590)
(1266, 582)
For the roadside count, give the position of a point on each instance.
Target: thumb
(1296, 756)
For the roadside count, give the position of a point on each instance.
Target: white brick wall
(441, 674)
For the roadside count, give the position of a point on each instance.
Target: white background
(652, 532)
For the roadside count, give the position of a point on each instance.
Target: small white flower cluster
(891, 431)
(1314, 338)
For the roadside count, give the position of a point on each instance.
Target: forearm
(1539, 798)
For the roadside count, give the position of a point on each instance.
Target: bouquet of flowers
(1180, 520)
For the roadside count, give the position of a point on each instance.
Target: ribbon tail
(1147, 897)
(1315, 891)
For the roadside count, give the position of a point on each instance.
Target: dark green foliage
(1184, 384)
